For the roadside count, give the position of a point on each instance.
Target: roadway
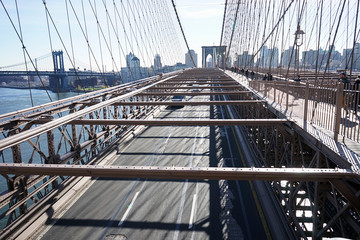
(163, 209)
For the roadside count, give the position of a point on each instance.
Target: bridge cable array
(263, 29)
(142, 28)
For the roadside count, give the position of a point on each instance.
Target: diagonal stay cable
(25, 49)
(26, 65)
(28, 134)
(274, 28)
(182, 31)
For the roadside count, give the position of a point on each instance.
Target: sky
(201, 21)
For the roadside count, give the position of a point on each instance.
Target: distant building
(288, 57)
(133, 70)
(347, 60)
(309, 58)
(129, 57)
(245, 60)
(264, 60)
(157, 63)
(274, 57)
(188, 60)
(269, 57)
(331, 61)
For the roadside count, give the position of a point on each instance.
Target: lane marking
(158, 145)
(157, 153)
(242, 204)
(182, 203)
(128, 210)
(181, 209)
(257, 203)
(193, 209)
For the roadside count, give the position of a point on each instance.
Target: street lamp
(299, 40)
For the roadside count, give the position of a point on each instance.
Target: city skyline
(272, 57)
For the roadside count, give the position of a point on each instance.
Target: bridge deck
(163, 209)
(192, 137)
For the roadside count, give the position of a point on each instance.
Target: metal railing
(26, 141)
(329, 105)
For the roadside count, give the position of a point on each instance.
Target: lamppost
(299, 40)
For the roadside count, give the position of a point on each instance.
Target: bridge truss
(315, 193)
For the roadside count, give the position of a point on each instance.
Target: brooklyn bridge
(259, 141)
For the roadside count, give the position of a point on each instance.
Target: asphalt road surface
(163, 209)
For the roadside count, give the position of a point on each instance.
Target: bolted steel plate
(115, 237)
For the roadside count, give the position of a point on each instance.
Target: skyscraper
(133, 70)
(288, 57)
(129, 57)
(188, 60)
(157, 62)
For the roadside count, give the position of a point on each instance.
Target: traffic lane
(173, 204)
(91, 213)
(97, 206)
(161, 203)
(172, 149)
(245, 209)
(86, 219)
(172, 136)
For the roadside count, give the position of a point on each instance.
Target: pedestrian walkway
(276, 98)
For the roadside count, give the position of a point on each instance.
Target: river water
(16, 99)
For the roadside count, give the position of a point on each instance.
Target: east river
(15, 99)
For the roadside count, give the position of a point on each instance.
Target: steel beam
(163, 172)
(26, 135)
(199, 87)
(202, 83)
(174, 122)
(157, 93)
(192, 103)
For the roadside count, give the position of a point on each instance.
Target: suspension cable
(182, 31)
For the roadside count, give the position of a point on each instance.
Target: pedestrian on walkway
(356, 90)
(252, 75)
(343, 79)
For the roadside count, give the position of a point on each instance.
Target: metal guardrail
(326, 104)
(56, 142)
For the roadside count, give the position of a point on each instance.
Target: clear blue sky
(202, 21)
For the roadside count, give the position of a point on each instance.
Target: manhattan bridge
(260, 140)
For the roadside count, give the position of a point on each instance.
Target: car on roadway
(196, 88)
(177, 98)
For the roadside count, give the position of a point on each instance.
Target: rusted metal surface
(26, 135)
(51, 106)
(200, 87)
(193, 103)
(202, 93)
(176, 122)
(163, 172)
